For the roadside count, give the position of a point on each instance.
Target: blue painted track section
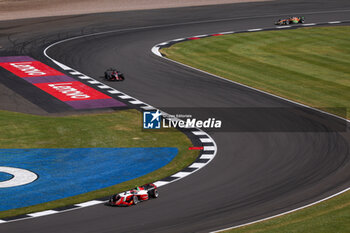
(69, 172)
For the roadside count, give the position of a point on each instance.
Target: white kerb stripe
(43, 213)
(199, 133)
(180, 39)
(205, 140)
(197, 165)
(148, 107)
(199, 36)
(334, 22)
(254, 30)
(75, 73)
(136, 102)
(94, 82)
(231, 32)
(84, 77)
(104, 87)
(2, 221)
(283, 26)
(161, 183)
(155, 50)
(114, 91)
(209, 148)
(89, 203)
(181, 174)
(64, 67)
(164, 43)
(125, 97)
(207, 156)
(309, 24)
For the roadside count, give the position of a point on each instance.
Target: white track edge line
(89, 203)
(249, 87)
(43, 213)
(31, 217)
(276, 96)
(64, 67)
(284, 213)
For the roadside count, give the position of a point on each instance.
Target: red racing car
(134, 196)
(112, 74)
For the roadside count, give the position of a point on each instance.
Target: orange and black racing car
(290, 20)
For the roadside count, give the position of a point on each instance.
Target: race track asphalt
(254, 174)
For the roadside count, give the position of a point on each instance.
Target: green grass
(118, 129)
(332, 216)
(308, 65)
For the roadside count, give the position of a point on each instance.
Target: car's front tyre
(135, 200)
(154, 193)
